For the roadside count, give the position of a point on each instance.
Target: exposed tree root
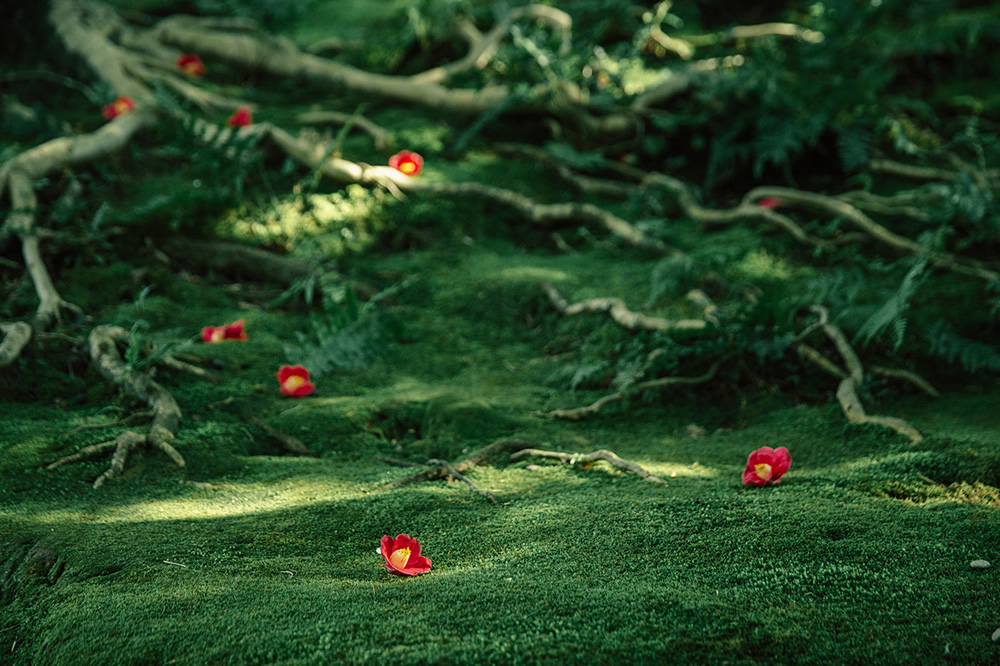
(847, 394)
(521, 449)
(378, 134)
(16, 337)
(128, 420)
(653, 384)
(476, 458)
(620, 313)
(873, 229)
(454, 473)
(585, 458)
(166, 412)
(292, 444)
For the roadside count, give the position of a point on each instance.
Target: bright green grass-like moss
(854, 558)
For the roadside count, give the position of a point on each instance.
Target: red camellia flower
(294, 380)
(766, 466)
(241, 117)
(191, 64)
(770, 202)
(407, 162)
(402, 556)
(234, 331)
(118, 107)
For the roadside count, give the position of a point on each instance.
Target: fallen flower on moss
(407, 162)
(766, 466)
(191, 64)
(235, 331)
(294, 381)
(241, 117)
(402, 556)
(121, 105)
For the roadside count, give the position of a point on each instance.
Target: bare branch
(847, 394)
(601, 454)
(869, 226)
(461, 477)
(590, 410)
(620, 313)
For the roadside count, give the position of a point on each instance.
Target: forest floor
(248, 554)
(860, 555)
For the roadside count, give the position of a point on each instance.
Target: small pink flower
(294, 381)
(402, 556)
(121, 105)
(241, 117)
(407, 162)
(766, 466)
(234, 331)
(770, 202)
(191, 64)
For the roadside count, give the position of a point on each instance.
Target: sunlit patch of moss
(929, 493)
(342, 222)
(761, 265)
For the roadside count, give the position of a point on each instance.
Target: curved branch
(584, 412)
(619, 312)
(873, 229)
(601, 454)
(847, 394)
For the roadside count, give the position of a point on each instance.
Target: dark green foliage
(346, 336)
(971, 355)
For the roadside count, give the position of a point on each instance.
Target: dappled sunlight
(223, 499)
(534, 274)
(346, 221)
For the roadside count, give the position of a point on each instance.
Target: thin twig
(461, 477)
(601, 454)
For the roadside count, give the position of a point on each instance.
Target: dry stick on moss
(873, 229)
(580, 413)
(601, 454)
(847, 394)
(293, 444)
(166, 412)
(182, 366)
(619, 312)
(461, 477)
(477, 457)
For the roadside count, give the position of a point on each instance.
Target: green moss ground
(855, 558)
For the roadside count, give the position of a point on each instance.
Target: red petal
(416, 566)
(236, 331)
(388, 545)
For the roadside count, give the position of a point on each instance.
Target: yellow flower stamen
(763, 470)
(293, 382)
(399, 558)
(408, 167)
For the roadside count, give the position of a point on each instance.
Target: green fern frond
(972, 355)
(892, 313)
